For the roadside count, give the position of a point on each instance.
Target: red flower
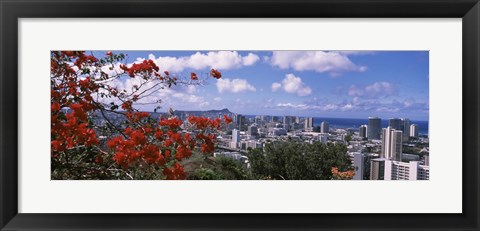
(127, 105)
(193, 76)
(57, 146)
(109, 53)
(121, 159)
(215, 74)
(175, 173)
(166, 72)
(227, 119)
(55, 107)
(182, 152)
(168, 143)
(159, 134)
(112, 144)
(177, 138)
(172, 123)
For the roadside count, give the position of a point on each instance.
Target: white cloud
(302, 106)
(222, 60)
(347, 107)
(377, 89)
(235, 85)
(217, 99)
(355, 52)
(290, 105)
(330, 107)
(387, 109)
(276, 86)
(191, 89)
(250, 59)
(332, 62)
(293, 85)
(177, 97)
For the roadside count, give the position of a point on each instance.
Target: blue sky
(346, 84)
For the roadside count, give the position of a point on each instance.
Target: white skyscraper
(391, 144)
(413, 130)
(362, 132)
(235, 138)
(396, 170)
(324, 127)
(308, 124)
(358, 162)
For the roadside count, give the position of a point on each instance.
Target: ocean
(356, 123)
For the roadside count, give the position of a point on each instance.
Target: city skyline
(335, 84)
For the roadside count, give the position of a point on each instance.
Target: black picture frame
(12, 10)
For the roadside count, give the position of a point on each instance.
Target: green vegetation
(281, 160)
(298, 160)
(220, 168)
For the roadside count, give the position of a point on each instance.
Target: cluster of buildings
(376, 152)
(391, 163)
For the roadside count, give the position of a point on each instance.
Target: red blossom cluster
(140, 143)
(135, 150)
(193, 76)
(215, 74)
(173, 123)
(227, 119)
(338, 175)
(145, 68)
(177, 172)
(136, 116)
(71, 129)
(158, 146)
(204, 123)
(80, 57)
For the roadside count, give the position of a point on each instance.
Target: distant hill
(118, 117)
(208, 113)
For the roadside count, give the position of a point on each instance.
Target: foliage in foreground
(295, 160)
(221, 168)
(137, 147)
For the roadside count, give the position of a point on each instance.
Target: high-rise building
(374, 128)
(287, 122)
(426, 160)
(240, 122)
(358, 159)
(396, 170)
(395, 123)
(324, 127)
(297, 119)
(396, 148)
(377, 169)
(413, 130)
(275, 119)
(391, 144)
(309, 124)
(252, 130)
(235, 136)
(258, 119)
(323, 137)
(406, 129)
(362, 132)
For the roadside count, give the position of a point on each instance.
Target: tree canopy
(295, 160)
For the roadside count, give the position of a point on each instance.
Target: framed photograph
(266, 115)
